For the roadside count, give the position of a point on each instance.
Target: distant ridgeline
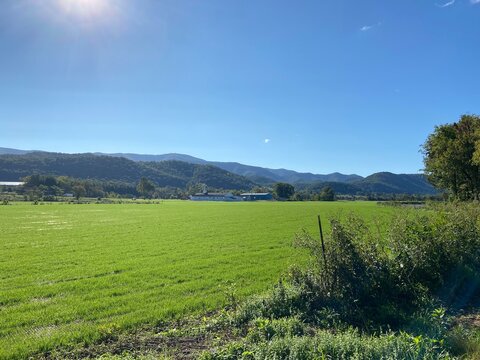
(18, 164)
(107, 168)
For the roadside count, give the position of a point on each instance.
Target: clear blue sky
(320, 86)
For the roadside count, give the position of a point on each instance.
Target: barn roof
(212, 194)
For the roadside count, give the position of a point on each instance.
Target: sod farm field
(69, 274)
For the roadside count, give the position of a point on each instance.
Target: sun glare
(85, 9)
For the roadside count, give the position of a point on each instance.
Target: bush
(351, 277)
(431, 256)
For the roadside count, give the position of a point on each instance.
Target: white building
(206, 196)
(11, 183)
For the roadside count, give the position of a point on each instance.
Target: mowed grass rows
(69, 274)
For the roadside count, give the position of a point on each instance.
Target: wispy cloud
(266, 141)
(474, 2)
(449, 3)
(370, 27)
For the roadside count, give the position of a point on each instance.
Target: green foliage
(352, 278)
(145, 187)
(121, 176)
(345, 345)
(386, 182)
(378, 186)
(49, 188)
(194, 188)
(438, 254)
(283, 190)
(169, 192)
(266, 329)
(340, 188)
(79, 191)
(118, 169)
(463, 339)
(370, 280)
(327, 194)
(451, 157)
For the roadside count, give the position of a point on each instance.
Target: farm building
(256, 196)
(11, 183)
(206, 196)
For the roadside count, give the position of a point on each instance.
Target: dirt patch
(470, 320)
(181, 348)
(183, 340)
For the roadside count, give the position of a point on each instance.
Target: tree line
(53, 188)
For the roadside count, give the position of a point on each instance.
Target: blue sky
(320, 86)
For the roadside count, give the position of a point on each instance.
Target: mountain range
(180, 170)
(256, 173)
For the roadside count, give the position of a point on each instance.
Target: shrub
(438, 254)
(373, 281)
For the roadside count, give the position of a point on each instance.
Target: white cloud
(266, 141)
(449, 3)
(475, 2)
(369, 27)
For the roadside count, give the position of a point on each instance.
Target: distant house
(206, 196)
(256, 196)
(11, 183)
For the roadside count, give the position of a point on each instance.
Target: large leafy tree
(79, 191)
(145, 187)
(327, 194)
(452, 157)
(283, 190)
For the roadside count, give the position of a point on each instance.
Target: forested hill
(386, 182)
(17, 164)
(378, 183)
(90, 166)
(257, 174)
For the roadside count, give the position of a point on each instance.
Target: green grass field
(71, 273)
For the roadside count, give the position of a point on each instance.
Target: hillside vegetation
(386, 182)
(89, 166)
(182, 174)
(378, 183)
